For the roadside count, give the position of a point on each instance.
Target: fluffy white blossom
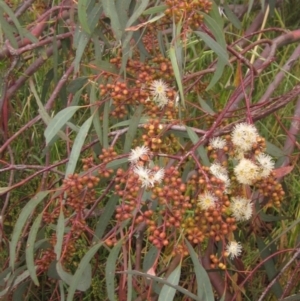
(217, 143)
(221, 173)
(266, 165)
(159, 89)
(148, 177)
(207, 200)
(137, 153)
(217, 168)
(241, 208)
(234, 249)
(144, 175)
(243, 136)
(158, 176)
(246, 172)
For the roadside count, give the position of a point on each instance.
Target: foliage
(140, 158)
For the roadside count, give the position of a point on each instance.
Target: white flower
(158, 176)
(217, 169)
(148, 177)
(266, 164)
(243, 136)
(217, 143)
(241, 208)
(144, 175)
(207, 200)
(137, 153)
(220, 173)
(246, 172)
(162, 101)
(159, 89)
(234, 249)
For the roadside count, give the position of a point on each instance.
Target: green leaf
(217, 74)
(133, 126)
(95, 114)
(86, 277)
(175, 67)
(137, 13)
(12, 16)
(129, 281)
(167, 292)
(216, 47)
(269, 266)
(16, 282)
(155, 10)
(124, 123)
(216, 30)
(59, 120)
(149, 258)
(76, 149)
(83, 40)
(110, 11)
(273, 150)
(205, 106)
(105, 124)
(77, 84)
(110, 270)
(116, 163)
(60, 229)
(163, 281)
(232, 17)
(84, 265)
(22, 219)
(29, 251)
(8, 30)
(201, 150)
(122, 8)
(82, 15)
(204, 288)
(105, 217)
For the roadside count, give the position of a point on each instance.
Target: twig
(292, 260)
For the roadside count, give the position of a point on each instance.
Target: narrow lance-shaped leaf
(177, 74)
(59, 120)
(110, 11)
(59, 234)
(22, 219)
(76, 149)
(133, 125)
(29, 252)
(95, 113)
(82, 15)
(110, 270)
(204, 288)
(77, 278)
(167, 292)
(216, 47)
